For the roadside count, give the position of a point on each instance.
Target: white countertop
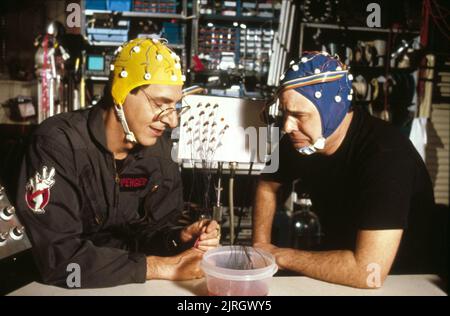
(421, 285)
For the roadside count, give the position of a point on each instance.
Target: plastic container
(229, 272)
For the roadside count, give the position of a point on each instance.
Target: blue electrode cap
(325, 81)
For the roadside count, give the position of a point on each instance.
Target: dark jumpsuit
(92, 213)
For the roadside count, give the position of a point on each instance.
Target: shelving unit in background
(234, 38)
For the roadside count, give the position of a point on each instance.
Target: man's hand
(185, 266)
(206, 232)
(280, 254)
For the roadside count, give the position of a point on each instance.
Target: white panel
(204, 136)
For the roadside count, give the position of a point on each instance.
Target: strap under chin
(309, 150)
(129, 136)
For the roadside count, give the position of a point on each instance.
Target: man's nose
(290, 125)
(171, 119)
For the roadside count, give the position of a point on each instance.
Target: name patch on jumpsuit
(133, 182)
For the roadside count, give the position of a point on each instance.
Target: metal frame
(282, 42)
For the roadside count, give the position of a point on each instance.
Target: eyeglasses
(165, 112)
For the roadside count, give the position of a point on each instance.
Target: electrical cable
(241, 213)
(231, 200)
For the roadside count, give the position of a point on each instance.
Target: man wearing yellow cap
(98, 189)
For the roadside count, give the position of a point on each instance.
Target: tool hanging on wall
(50, 69)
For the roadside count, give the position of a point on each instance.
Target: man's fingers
(212, 226)
(200, 226)
(203, 229)
(203, 223)
(195, 253)
(214, 234)
(205, 249)
(208, 242)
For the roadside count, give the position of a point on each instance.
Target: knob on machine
(13, 239)
(7, 213)
(16, 233)
(3, 238)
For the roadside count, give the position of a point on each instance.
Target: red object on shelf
(198, 65)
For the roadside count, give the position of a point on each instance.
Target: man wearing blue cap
(366, 181)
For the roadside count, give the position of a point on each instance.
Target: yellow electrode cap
(144, 61)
